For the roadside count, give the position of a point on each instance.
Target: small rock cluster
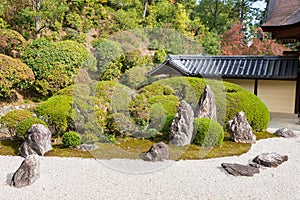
(262, 160)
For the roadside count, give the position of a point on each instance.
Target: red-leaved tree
(233, 43)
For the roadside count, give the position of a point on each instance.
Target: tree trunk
(38, 18)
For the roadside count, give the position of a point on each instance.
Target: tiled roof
(263, 67)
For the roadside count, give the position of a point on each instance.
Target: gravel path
(71, 178)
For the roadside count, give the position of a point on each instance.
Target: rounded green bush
(55, 64)
(71, 139)
(25, 124)
(57, 112)
(166, 127)
(13, 118)
(13, 75)
(207, 132)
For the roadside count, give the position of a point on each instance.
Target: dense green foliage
(55, 64)
(13, 75)
(230, 98)
(166, 128)
(25, 125)
(13, 118)
(207, 132)
(71, 139)
(57, 113)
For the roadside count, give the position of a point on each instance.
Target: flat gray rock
(158, 152)
(285, 132)
(270, 159)
(240, 170)
(27, 173)
(37, 141)
(181, 130)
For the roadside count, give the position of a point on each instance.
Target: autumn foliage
(233, 43)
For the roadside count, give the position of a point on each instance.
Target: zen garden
(80, 79)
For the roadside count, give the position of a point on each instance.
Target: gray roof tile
(264, 67)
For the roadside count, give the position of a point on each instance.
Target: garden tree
(45, 13)
(14, 75)
(216, 14)
(210, 40)
(167, 15)
(56, 64)
(233, 45)
(31, 17)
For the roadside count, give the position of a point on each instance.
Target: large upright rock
(181, 130)
(206, 107)
(158, 152)
(27, 173)
(37, 141)
(240, 130)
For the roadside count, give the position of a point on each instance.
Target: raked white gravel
(72, 178)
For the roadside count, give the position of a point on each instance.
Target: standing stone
(37, 141)
(206, 107)
(27, 173)
(158, 152)
(240, 130)
(181, 130)
(270, 159)
(240, 170)
(284, 132)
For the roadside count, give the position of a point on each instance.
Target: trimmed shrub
(13, 75)
(135, 77)
(230, 98)
(71, 139)
(55, 64)
(170, 103)
(12, 43)
(158, 116)
(25, 124)
(57, 113)
(120, 124)
(13, 118)
(207, 132)
(166, 128)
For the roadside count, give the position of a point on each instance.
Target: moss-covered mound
(208, 133)
(230, 98)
